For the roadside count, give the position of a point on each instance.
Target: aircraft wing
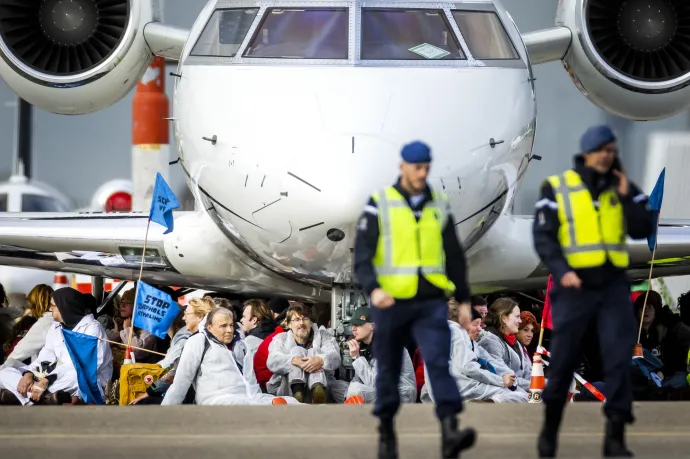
(505, 257)
(196, 254)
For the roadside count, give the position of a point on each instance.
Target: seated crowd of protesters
(223, 352)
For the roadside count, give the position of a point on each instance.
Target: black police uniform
(423, 318)
(604, 297)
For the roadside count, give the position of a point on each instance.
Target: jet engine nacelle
(630, 57)
(74, 56)
(113, 196)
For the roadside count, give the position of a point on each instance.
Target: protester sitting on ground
(109, 314)
(304, 359)
(479, 376)
(194, 313)
(209, 366)
(26, 348)
(8, 317)
(502, 325)
(257, 323)
(279, 307)
(51, 378)
(526, 331)
(140, 338)
(667, 338)
(362, 388)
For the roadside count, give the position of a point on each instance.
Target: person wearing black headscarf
(71, 307)
(52, 378)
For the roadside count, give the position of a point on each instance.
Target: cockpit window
(224, 32)
(484, 34)
(308, 33)
(39, 203)
(397, 34)
(3, 202)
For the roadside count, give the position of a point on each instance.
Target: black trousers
(573, 310)
(427, 321)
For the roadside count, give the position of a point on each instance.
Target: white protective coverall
(364, 381)
(516, 361)
(474, 382)
(55, 350)
(284, 347)
(219, 380)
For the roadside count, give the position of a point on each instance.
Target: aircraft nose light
(335, 235)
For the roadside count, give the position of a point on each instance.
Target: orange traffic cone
(537, 383)
(279, 401)
(355, 400)
(129, 357)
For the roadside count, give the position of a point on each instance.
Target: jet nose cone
(334, 185)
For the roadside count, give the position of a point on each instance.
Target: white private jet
(288, 114)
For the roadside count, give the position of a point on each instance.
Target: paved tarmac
(318, 432)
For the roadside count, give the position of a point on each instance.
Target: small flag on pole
(655, 206)
(162, 204)
(546, 314)
(155, 310)
(83, 350)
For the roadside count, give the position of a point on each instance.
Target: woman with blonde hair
(500, 339)
(31, 344)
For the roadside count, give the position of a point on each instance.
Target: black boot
(548, 438)
(388, 445)
(453, 441)
(614, 441)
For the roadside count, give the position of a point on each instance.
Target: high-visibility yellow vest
(589, 236)
(407, 247)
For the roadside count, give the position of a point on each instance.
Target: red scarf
(510, 339)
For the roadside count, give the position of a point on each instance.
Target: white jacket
(366, 370)
(55, 350)
(279, 359)
(219, 375)
(516, 361)
(474, 383)
(33, 341)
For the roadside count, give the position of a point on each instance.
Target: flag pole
(546, 297)
(649, 284)
(136, 292)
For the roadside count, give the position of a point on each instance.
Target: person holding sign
(209, 365)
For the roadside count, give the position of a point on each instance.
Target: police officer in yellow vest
(582, 222)
(409, 260)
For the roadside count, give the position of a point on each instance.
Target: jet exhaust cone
(648, 40)
(62, 37)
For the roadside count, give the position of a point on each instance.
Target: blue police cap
(595, 138)
(416, 152)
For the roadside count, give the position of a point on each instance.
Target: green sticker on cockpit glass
(429, 51)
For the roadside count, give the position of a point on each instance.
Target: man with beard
(409, 262)
(51, 379)
(304, 359)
